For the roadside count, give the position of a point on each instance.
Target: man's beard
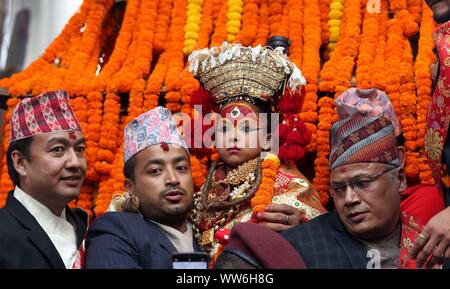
(175, 214)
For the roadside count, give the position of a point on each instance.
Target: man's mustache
(172, 190)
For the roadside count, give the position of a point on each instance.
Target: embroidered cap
(362, 139)
(155, 126)
(47, 112)
(367, 102)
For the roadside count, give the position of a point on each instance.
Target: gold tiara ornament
(234, 70)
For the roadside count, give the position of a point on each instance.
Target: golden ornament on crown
(233, 70)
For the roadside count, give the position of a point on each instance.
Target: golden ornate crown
(234, 70)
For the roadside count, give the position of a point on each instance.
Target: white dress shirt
(59, 230)
(183, 242)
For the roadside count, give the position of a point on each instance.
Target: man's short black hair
(128, 169)
(23, 146)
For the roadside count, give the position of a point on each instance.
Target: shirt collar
(36, 208)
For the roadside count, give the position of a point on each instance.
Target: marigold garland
(53, 51)
(250, 20)
(425, 57)
(89, 42)
(155, 82)
(327, 116)
(295, 28)
(5, 183)
(144, 57)
(162, 25)
(234, 16)
(139, 56)
(198, 169)
(94, 128)
(393, 57)
(114, 182)
(367, 50)
(408, 113)
(415, 9)
(406, 20)
(192, 26)
(324, 10)
(108, 145)
(276, 9)
(206, 23)
(95, 97)
(311, 67)
(220, 29)
(147, 63)
(176, 58)
(378, 68)
(263, 196)
(334, 22)
(263, 32)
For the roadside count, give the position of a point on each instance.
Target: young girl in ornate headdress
(247, 183)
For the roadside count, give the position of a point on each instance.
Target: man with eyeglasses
(367, 177)
(419, 203)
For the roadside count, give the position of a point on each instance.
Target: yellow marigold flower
(234, 23)
(336, 6)
(335, 14)
(194, 7)
(193, 19)
(235, 3)
(334, 22)
(190, 42)
(235, 7)
(192, 27)
(233, 29)
(272, 157)
(231, 37)
(334, 33)
(234, 16)
(191, 35)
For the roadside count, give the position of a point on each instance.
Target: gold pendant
(207, 237)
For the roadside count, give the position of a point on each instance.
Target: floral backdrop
(117, 60)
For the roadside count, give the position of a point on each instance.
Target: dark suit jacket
(23, 242)
(127, 241)
(324, 242)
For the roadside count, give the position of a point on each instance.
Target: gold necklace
(240, 174)
(206, 239)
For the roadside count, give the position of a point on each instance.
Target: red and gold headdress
(233, 72)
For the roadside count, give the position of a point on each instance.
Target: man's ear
(401, 155)
(18, 162)
(402, 180)
(129, 186)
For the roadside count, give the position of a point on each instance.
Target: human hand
(432, 246)
(280, 217)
